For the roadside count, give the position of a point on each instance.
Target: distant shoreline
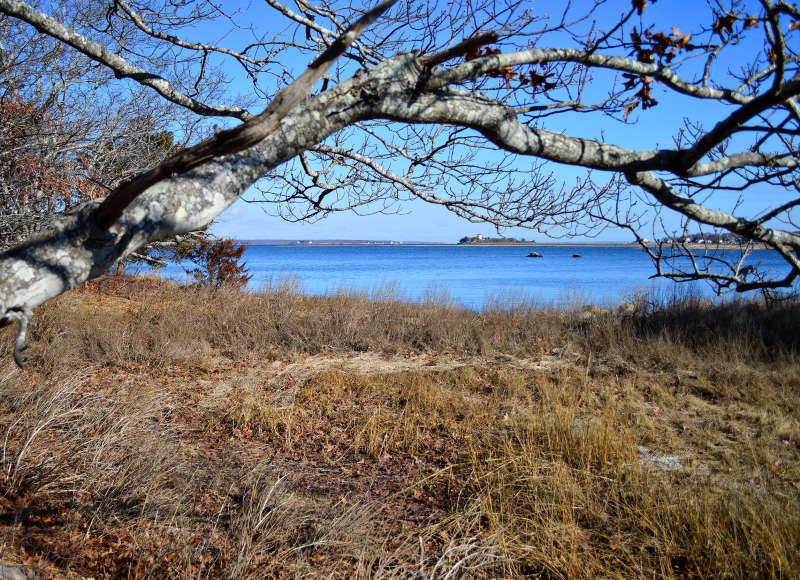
(609, 245)
(377, 243)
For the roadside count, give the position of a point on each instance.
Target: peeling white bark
(501, 125)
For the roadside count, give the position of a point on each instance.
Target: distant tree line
(706, 238)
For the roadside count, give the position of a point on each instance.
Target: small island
(480, 239)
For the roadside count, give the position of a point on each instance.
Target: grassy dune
(166, 431)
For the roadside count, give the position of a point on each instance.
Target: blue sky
(419, 221)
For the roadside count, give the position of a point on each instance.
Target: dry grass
(165, 431)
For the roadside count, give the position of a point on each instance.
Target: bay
(476, 277)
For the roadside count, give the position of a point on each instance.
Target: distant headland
(478, 240)
(466, 241)
(339, 243)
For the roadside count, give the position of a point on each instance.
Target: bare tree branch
(121, 67)
(238, 138)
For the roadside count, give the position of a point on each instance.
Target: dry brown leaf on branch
(630, 80)
(646, 56)
(629, 109)
(680, 40)
(473, 53)
(508, 74)
(752, 22)
(724, 23)
(640, 5)
(646, 96)
(537, 80)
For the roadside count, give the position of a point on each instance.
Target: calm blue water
(475, 276)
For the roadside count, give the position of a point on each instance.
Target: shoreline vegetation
(165, 430)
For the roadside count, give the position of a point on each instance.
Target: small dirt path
(257, 375)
